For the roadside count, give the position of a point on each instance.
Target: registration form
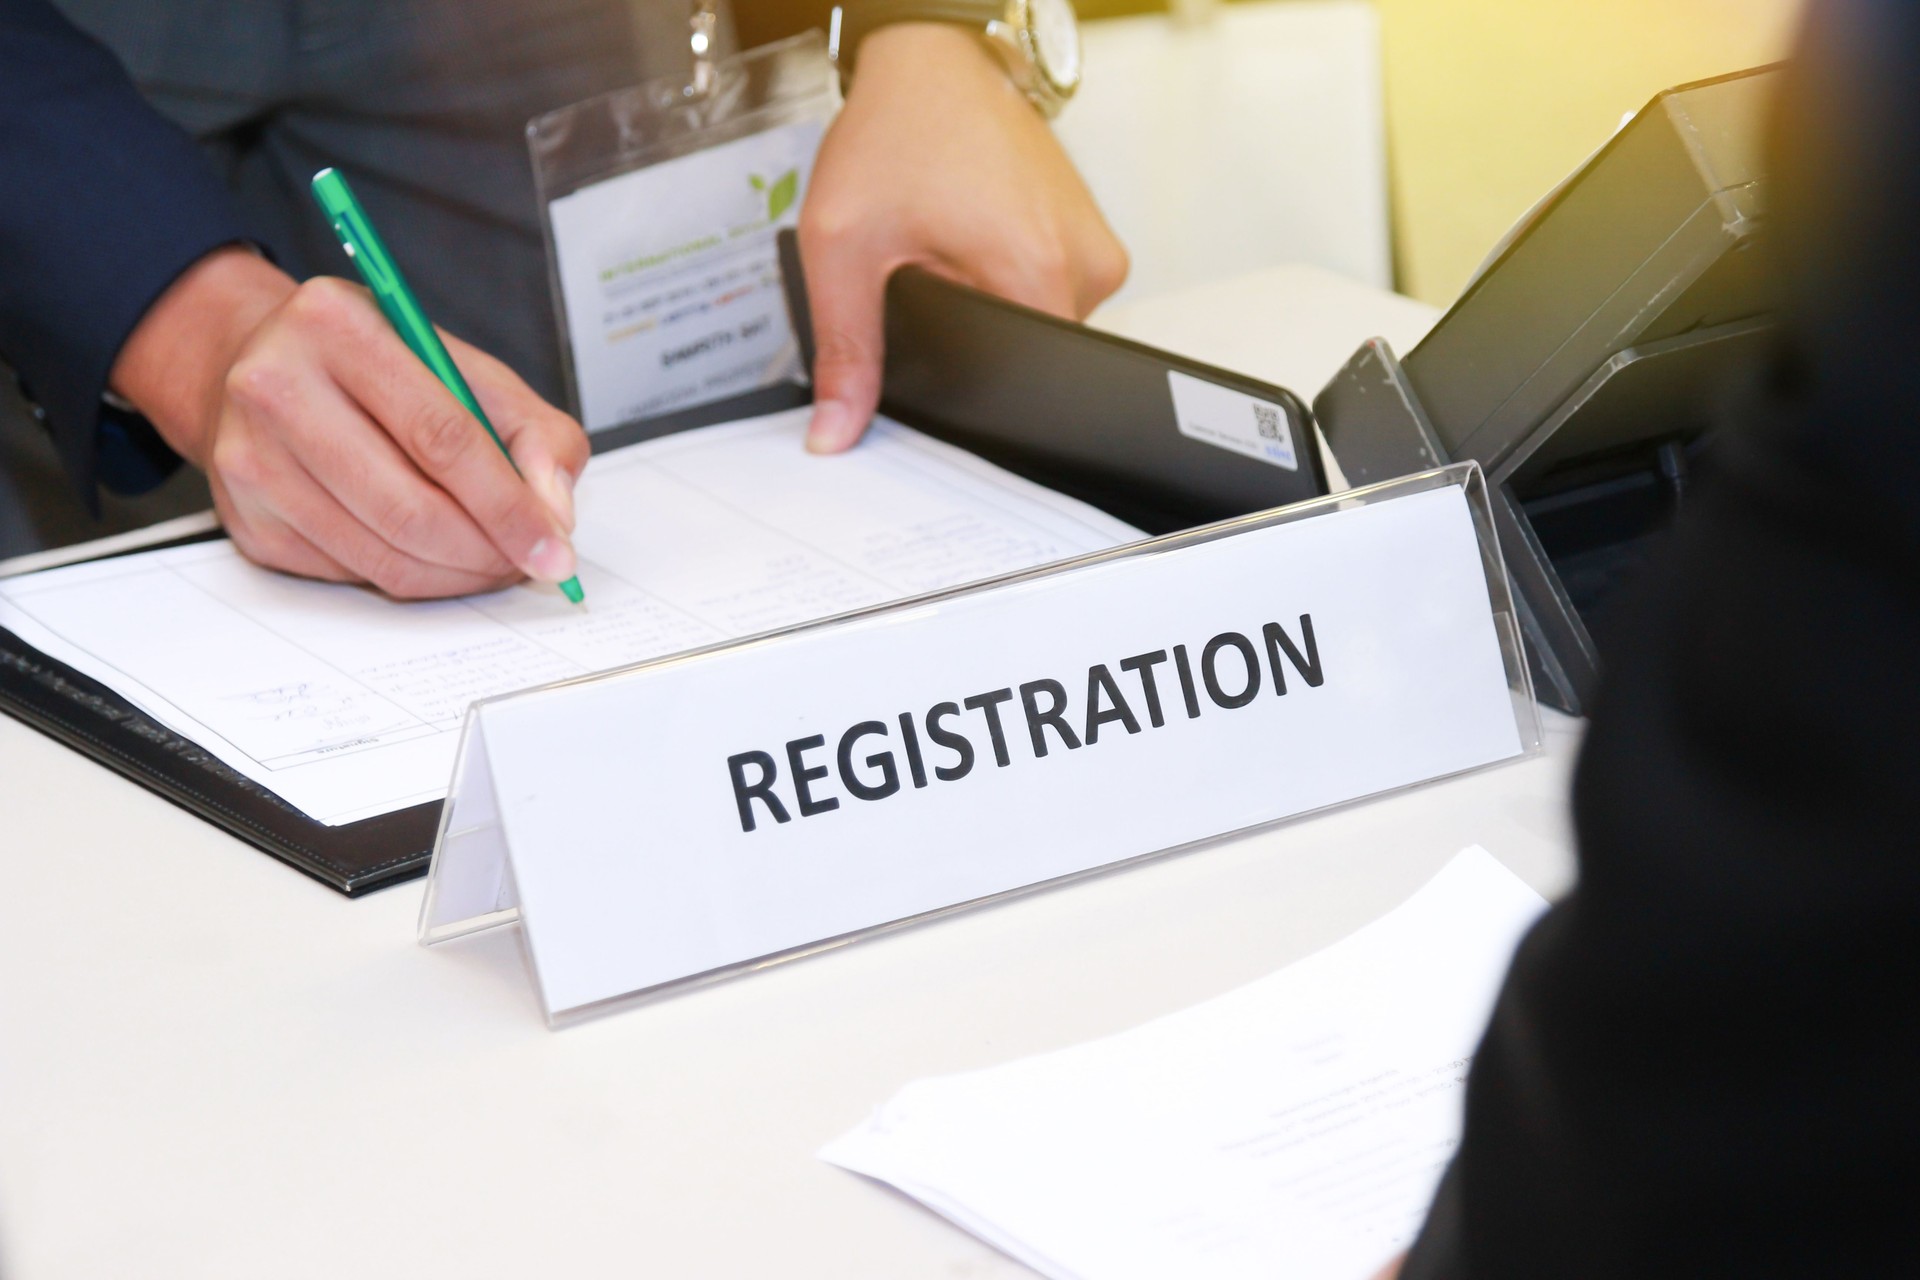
(347, 704)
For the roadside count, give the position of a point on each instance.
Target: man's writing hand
(333, 452)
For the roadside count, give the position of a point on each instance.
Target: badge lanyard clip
(703, 27)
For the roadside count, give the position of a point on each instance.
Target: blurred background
(1393, 141)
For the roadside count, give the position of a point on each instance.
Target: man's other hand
(333, 452)
(937, 160)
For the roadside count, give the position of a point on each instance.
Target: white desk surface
(213, 1067)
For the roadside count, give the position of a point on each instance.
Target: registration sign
(698, 815)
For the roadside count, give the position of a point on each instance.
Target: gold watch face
(1056, 43)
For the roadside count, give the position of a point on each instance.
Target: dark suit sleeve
(102, 205)
(1704, 1062)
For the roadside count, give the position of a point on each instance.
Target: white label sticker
(1232, 420)
(671, 280)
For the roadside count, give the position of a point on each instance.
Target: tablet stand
(1378, 428)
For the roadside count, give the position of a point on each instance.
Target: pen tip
(572, 590)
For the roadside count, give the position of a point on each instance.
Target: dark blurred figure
(1705, 1060)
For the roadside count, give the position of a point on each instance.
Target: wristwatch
(1039, 40)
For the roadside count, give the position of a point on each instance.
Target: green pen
(382, 274)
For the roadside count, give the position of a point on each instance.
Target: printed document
(1295, 1127)
(347, 704)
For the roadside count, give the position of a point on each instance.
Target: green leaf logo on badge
(780, 197)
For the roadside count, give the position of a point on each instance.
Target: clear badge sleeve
(660, 205)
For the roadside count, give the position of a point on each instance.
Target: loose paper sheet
(348, 705)
(1295, 1127)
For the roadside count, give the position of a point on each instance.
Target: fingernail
(551, 560)
(834, 427)
(557, 493)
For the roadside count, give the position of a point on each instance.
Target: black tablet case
(1071, 408)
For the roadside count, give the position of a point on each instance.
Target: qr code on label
(1267, 419)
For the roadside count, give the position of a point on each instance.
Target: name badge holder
(716, 812)
(660, 205)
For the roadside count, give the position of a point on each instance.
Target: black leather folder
(1064, 405)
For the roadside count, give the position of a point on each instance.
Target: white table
(212, 1067)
